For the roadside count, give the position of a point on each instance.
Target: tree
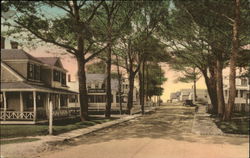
(232, 62)
(189, 73)
(98, 67)
(115, 21)
(155, 78)
(72, 31)
(146, 21)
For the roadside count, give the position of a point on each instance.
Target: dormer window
(37, 72)
(63, 78)
(30, 71)
(34, 71)
(56, 75)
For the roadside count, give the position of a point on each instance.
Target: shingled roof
(17, 86)
(19, 54)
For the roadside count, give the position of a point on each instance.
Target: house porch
(29, 107)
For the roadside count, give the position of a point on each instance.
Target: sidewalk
(29, 149)
(203, 123)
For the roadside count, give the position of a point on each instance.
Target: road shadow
(166, 123)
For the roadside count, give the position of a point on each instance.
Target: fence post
(50, 118)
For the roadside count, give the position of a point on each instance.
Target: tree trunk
(147, 83)
(119, 84)
(195, 95)
(130, 92)
(232, 62)
(195, 78)
(108, 87)
(219, 85)
(82, 89)
(211, 88)
(141, 88)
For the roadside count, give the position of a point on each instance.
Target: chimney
(14, 45)
(2, 42)
(69, 78)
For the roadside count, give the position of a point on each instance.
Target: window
(89, 85)
(103, 86)
(244, 82)
(73, 99)
(63, 78)
(34, 71)
(96, 85)
(56, 76)
(97, 98)
(226, 93)
(241, 93)
(30, 71)
(237, 94)
(37, 72)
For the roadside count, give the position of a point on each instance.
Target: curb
(80, 132)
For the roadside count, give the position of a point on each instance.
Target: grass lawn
(238, 125)
(12, 131)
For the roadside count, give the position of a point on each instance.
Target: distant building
(96, 87)
(188, 94)
(175, 97)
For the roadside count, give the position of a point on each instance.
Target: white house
(242, 89)
(188, 94)
(96, 86)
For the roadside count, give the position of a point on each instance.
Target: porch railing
(16, 115)
(66, 112)
(40, 114)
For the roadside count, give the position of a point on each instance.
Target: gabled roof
(102, 78)
(16, 54)
(52, 61)
(96, 77)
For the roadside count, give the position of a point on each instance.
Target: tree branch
(38, 35)
(93, 12)
(95, 54)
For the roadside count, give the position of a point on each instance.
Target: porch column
(67, 100)
(47, 107)
(4, 105)
(59, 101)
(21, 102)
(34, 104)
(78, 99)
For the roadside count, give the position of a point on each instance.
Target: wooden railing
(40, 114)
(16, 115)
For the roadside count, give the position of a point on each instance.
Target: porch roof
(22, 86)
